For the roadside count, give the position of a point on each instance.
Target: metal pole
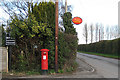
(56, 36)
(9, 58)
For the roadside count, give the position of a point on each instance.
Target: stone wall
(3, 59)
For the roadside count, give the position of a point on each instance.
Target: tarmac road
(95, 67)
(106, 67)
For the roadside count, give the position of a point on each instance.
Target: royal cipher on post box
(44, 59)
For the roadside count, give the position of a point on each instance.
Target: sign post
(9, 43)
(9, 58)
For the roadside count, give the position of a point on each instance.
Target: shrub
(67, 47)
(105, 47)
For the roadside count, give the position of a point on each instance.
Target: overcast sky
(94, 11)
(91, 11)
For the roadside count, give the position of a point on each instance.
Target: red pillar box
(44, 59)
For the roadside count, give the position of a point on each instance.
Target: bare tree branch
(85, 33)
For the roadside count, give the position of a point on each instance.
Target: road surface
(106, 67)
(95, 67)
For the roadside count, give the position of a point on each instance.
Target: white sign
(44, 57)
(10, 41)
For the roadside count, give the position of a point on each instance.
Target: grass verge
(101, 54)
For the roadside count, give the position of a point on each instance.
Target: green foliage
(51, 71)
(2, 36)
(22, 63)
(62, 50)
(60, 71)
(67, 22)
(29, 28)
(105, 47)
(67, 49)
(69, 69)
(39, 30)
(67, 44)
(32, 73)
(119, 48)
(36, 30)
(45, 13)
(72, 44)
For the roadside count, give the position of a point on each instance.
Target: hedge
(104, 46)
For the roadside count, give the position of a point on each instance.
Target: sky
(103, 12)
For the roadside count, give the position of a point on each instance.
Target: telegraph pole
(56, 36)
(65, 6)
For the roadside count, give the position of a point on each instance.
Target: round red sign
(77, 20)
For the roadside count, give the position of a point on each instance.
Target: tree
(63, 9)
(115, 31)
(70, 44)
(2, 35)
(85, 34)
(111, 33)
(96, 33)
(118, 31)
(67, 22)
(38, 29)
(102, 32)
(18, 8)
(107, 32)
(91, 32)
(33, 31)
